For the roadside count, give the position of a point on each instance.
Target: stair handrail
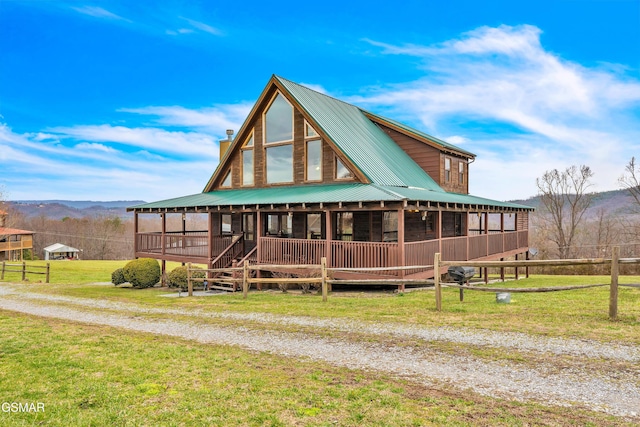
(234, 241)
(247, 256)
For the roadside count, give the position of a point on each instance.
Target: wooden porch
(221, 251)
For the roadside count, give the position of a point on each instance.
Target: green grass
(93, 376)
(577, 313)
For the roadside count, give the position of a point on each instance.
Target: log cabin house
(309, 176)
(13, 241)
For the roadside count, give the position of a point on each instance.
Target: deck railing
(364, 255)
(275, 250)
(419, 253)
(342, 254)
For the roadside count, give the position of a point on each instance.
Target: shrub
(178, 276)
(117, 277)
(142, 272)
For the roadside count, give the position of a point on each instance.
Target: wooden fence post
(323, 270)
(436, 281)
(613, 290)
(46, 280)
(24, 271)
(245, 279)
(2, 273)
(189, 282)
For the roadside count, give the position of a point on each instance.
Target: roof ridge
(319, 93)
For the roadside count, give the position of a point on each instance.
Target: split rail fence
(24, 269)
(243, 277)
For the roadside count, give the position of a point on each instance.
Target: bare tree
(565, 198)
(631, 179)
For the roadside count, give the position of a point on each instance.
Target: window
(248, 226)
(279, 225)
(280, 164)
(461, 172)
(390, 226)
(226, 224)
(247, 162)
(430, 219)
(278, 137)
(314, 226)
(309, 131)
(344, 226)
(457, 219)
(314, 160)
(226, 182)
(279, 121)
(447, 169)
(341, 171)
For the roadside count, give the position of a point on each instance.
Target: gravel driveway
(406, 351)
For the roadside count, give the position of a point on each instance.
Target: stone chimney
(226, 143)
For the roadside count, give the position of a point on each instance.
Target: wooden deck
(193, 247)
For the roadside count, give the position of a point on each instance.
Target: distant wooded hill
(58, 209)
(617, 203)
(614, 203)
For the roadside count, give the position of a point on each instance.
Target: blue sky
(122, 100)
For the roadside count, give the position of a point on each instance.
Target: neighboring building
(60, 251)
(309, 176)
(13, 241)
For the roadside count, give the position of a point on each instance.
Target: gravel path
(546, 383)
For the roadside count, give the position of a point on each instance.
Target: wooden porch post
(466, 233)
(328, 235)
(439, 230)
(210, 240)
(164, 233)
(486, 231)
(259, 244)
(135, 233)
(401, 248)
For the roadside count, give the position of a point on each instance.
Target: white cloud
(90, 169)
(157, 140)
(213, 120)
(521, 99)
(94, 147)
(98, 12)
(203, 27)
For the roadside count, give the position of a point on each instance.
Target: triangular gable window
(309, 131)
(227, 180)
(342, 172)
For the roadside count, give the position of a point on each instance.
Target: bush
(178, 277)
(117, 277)
(142, 272)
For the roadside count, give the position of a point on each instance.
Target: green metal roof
(443, 144)
(329, 193)
(367, 146)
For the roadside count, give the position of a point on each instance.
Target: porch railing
(274, 250)
(364, 255)
(420, 253)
